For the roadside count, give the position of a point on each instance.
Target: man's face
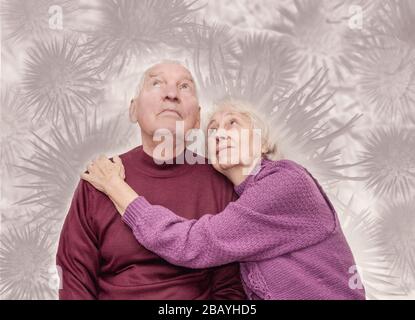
(168, 96)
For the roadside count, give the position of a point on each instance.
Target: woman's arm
(273, 217)
(282, 212)
(121, 194)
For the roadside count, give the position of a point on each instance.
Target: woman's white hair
(258, 121)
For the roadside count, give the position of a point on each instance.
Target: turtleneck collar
(148, 165)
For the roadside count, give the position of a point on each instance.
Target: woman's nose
(221, 135)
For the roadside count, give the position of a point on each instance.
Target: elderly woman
(283, 230)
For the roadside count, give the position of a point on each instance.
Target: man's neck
(149, 145)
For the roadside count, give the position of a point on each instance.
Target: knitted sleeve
(282, 212)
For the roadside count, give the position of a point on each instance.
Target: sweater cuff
(133, 210)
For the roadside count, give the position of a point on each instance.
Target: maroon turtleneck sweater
(100, 258)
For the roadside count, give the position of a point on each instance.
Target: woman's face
(232, 141)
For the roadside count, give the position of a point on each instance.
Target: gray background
(70, 68)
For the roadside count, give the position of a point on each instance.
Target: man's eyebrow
(152, 75)
(188, 79)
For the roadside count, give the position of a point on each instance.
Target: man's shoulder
(130, 153)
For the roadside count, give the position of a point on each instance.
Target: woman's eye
(233, 121)
(212, 131)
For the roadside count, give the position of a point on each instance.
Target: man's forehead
(169, 69)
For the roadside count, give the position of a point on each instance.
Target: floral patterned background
(337, 77)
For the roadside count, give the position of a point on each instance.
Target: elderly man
(98, 254)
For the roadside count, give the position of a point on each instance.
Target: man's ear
(133, 111)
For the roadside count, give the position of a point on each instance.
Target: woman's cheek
(212, 153)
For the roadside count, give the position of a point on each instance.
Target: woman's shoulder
(287, 175)
(281, 184)
(283, 167)
(284, 175)
(272, 174)
(286, 178)
(291, 180)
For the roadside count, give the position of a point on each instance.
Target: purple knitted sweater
(283, 230)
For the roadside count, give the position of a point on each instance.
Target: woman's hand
(103, 173)
(108, 177)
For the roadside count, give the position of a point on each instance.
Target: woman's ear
(132, 111)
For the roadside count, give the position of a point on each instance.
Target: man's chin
(166, 128)
(169, 132)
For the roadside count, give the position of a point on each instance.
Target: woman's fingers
(103, 162)
(118, 162)
(103, 166)
(91, 167)
(85, 176)
(95, 168)
(93, 180)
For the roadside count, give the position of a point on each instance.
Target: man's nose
(171, 93)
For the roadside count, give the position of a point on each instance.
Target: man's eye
(233, 121)
(156, 83)
(184, 86)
